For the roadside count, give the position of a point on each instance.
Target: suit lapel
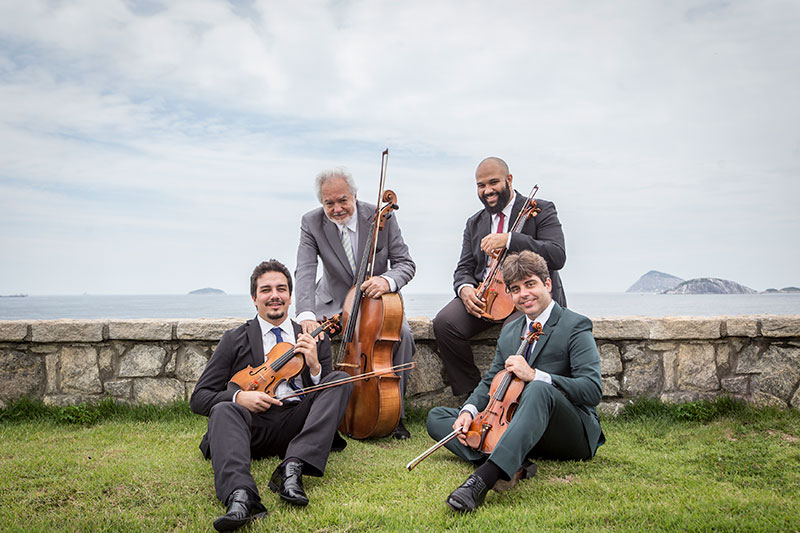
(331, 231)
(548, 329)
(364, 216)
(519, 201)
(254, 335)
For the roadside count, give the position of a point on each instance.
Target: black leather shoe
(287, 481)
(400, 432)
(242, 508)
(469, 496)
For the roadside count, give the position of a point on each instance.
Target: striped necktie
(529, 348)
(348, 248)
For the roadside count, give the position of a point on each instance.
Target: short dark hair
(273, 265)
(522, 265)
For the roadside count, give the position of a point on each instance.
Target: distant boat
(207, 290)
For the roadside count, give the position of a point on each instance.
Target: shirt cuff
(315, 379)
(234, 396)
(471, 409)
(541, 375)
(392, 283)
(458, 291)
(508, 242)
(306, 315)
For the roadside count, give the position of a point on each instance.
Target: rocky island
(207, 290)
(655, 282)
(710, 286)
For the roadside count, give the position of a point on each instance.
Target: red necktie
(500, 219)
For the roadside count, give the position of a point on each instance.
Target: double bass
(492, 290)
(372, 326)
(489, 425)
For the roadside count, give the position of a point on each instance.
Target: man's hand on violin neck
(494, 241)
(309, 326)
(517, 365)
(256, 401)
(472, 303)
(308, 348)
(375, 287)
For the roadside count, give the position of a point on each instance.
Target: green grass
(710, 466)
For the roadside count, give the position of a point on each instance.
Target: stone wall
(756, 358)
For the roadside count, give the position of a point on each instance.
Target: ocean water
(593, 305)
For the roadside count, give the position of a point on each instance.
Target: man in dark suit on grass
(485, 231)
(336, 233)
(245, 425)
(556, 416)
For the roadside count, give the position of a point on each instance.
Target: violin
(282, 363)
(372, 327)
(492, 290)
(489, 425)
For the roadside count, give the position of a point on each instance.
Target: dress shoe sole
(457, 506)
(223, 523)
(300, 502)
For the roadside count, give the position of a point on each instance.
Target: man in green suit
(556, 416)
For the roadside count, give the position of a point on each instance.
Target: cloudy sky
(157, 147)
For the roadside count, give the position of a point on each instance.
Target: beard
(503, 196)
(275, 314)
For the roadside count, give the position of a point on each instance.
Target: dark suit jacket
(567, 351)
(238, 348)
(541, 234)
(320, 237)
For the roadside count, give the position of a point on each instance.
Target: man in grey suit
(556, 416)
(337, 234)
(485, 231)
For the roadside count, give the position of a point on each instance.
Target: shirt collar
(507, 209)
(266, 327)
(543, 317)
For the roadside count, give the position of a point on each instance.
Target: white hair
(338, 172)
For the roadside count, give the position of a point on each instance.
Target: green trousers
(546, 424)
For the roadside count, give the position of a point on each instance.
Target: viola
(281, 364)
(372, 327)
(492, 290)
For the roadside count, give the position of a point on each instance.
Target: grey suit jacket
(541, 234)
(319, 237)
(568, 352)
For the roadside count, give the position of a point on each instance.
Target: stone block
(158, 391)
(621, 328)
(610, 361)
(610, 408)
(670, 360)
(484, 355)
(105, 359)
(21, 375)
(781, 326)
(762, 399)
(120, 390)
(67, 331)
(191, 362)
(673, 328)
(206, 329)
(680, 396)
(741, 326)
(13, 330)
(697, 369)
(189, 388)
(779, 372)
(426, 376)
(795, 401)
(421, 328)
(643, 376)
(51, 362)
(724, 358)
(142, 361)
(631, 351)
(738, 385)
(140, 330)
(79, 370)
(490, 334)
(610, 387)
(169, 368)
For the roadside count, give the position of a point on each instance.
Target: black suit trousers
(303, 429)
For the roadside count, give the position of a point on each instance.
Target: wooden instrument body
(267, 377)
(376, 403)
(498, 304)
(489, 425)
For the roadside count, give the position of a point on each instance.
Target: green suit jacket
(568, 352)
